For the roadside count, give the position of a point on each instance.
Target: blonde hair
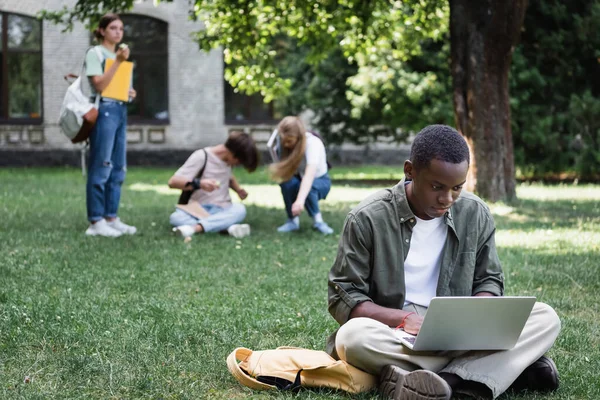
(290, 159)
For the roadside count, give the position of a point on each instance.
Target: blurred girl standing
(107, 164)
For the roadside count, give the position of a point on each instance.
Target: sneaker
(289, 226)
(122, 227)
(101, 228)
(395, 384)
(239, 230)
(541, 376)
(323, 228)
(185, 230)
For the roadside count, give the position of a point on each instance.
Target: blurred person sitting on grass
(211, 189)
(401, 247)
(302, 171)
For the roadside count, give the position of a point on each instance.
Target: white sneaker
(239, 230)
(101, 228)
(118, 225)
(185, 230)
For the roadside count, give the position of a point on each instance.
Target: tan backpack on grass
(290, 368)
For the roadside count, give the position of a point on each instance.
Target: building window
(148, 40)
(20, 69)
(244, 109)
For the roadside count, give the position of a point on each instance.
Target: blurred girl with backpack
(107, 162)
(302, 171)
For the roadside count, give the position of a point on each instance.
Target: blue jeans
(318, 191)
(107, 163)
(219, 220)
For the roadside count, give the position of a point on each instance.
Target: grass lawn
(149, 316)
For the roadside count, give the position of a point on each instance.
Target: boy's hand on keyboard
(413, 324)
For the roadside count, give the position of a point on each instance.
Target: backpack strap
(82, 75)
(184, 198)
(101, 58)
(242, 353)
(201, 172)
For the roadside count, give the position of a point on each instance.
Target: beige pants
(370, 345)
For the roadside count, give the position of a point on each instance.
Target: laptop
(273, 146)
(470, 323)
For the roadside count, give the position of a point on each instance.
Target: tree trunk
(483, 34)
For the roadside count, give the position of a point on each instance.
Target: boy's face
(434, 188)
(230, 159)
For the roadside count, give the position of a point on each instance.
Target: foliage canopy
(381, 69)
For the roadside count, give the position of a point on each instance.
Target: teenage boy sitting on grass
(401, 247)
(211, 189)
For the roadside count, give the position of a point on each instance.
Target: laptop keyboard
(409, 339)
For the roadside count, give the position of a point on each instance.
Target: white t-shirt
(216, 169)
(314, 155)
(422, 264)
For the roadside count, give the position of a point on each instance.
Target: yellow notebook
(118, 88)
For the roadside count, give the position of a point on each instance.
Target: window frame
(247, 107)
(141, 119)
(4, 89)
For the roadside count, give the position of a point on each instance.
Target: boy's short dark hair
(243, 147)
(439, 142)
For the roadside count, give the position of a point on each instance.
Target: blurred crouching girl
(302, 171)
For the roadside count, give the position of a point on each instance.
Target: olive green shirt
(375, 241)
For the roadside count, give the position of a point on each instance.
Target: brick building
(183, 102)
(182, 96)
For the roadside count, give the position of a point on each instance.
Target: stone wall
(176, 157)
(196, 99)
(196, 90)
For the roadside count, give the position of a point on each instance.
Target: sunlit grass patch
(571, 192)
(269, 195)
(554, 241)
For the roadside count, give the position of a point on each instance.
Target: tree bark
(483, 34)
